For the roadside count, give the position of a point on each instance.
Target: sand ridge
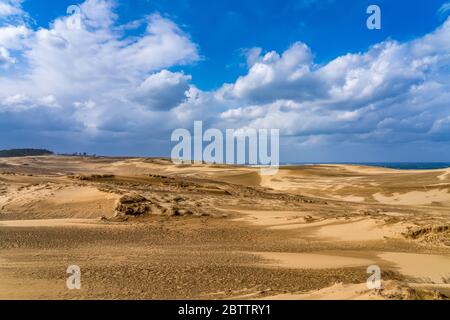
(148, 229)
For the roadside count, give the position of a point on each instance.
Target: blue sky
(223, 29)
(138, 69)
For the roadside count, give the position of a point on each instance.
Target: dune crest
(148, 229)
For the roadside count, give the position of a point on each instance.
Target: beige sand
(306, 229)
(444, 176)
(338, 291)
(350, 198)
(288, 236)
(52, 223)
(415, 197)
(311, 261)
(361, 230)
(434, 268)
(52, 200)
(271, 217)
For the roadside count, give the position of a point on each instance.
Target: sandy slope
(309, 232)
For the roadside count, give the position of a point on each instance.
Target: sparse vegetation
(431, 234)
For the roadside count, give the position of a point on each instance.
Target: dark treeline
(24, 152)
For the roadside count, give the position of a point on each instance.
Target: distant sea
(392, 165)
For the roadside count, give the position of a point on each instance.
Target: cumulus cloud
(94, 84)
(393, 92)
(10, 35)
(285, 74)
(163, 90)
(5, 58)
(10, 8)
(91, 75)
(10, 42)
(252, 55)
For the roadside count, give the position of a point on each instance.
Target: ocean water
(391, 165)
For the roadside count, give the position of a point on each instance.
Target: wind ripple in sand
(360, 230)
(271, 218)
(51, 223)
(414, 197)
(311, 260)
(338, 291)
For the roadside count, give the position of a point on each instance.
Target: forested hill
(24, 152)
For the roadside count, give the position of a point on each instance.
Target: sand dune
(311, 260)
(415, 197)
(55, 200)
(148, 229)
(430, 268)
(361, 230)
(337, 291)
(51, 223)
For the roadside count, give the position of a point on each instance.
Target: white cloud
(95, 84)
(392, 97)
(252, 55)
(98, 14)
(17, 99)
(444, 9)
(163, 90)
(273, 72)
(48, 101)
(10, 8)
(394, 91)
(5, 58)
(93, 74)
(11, 37)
